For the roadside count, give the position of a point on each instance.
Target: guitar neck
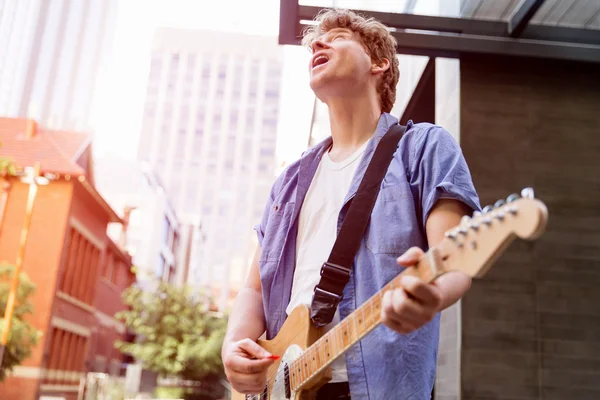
(356, 325)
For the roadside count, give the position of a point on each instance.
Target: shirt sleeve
(439, 171)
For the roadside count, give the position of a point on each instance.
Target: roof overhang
(437, 36)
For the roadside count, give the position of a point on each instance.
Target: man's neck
(353, 122)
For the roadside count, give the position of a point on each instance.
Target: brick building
(79, 272)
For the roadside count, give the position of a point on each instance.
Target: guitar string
(279, 373)
(389, 286)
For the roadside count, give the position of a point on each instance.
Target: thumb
(410, 257)
(254, 349)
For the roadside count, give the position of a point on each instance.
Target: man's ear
(380, 66)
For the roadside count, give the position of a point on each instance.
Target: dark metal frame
(452, 37)
(522, 15)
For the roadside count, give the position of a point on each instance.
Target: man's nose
(318, 45)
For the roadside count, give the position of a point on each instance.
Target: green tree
(23, 337)
(176, 333)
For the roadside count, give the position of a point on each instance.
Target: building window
(80, 268)
(66, 355)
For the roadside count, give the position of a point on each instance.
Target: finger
(400, 327)
(404, 309)
(389, 318)
(244, 383)
(407, 309)
(400, 309)
(246, 366)
(410, 257)
(403, 313)
(427, 294)
(252, 348)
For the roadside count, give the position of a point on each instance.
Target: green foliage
(177, 334)
(23, 337)
(7, 166)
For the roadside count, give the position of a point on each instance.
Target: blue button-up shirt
(428, 165)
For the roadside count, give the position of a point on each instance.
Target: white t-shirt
(317, 231)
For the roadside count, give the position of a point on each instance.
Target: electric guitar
(472, 247)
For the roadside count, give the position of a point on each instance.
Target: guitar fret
(322, 353)
(344, 333)
(339, 343)
(293, 381)
(327, 348)
(359, 322)
(317, 357)
(356, 335)
(315, 365)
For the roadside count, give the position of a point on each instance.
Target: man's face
(340, 64)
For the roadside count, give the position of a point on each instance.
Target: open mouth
(320, 60)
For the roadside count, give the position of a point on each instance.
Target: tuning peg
(477, 214)
(465, 220)
(487, 209)
(451, 235)
(513, 197)
(528, 193)
(499, 203)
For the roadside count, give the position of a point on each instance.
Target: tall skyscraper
(50, 55)
(209, 129)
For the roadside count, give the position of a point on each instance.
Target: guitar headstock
(474, 245)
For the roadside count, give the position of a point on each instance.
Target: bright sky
(119, 105)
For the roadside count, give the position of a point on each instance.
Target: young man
(426, 191)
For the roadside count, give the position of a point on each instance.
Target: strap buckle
(325, 302)
(335, 272)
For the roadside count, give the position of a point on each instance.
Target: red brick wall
(44, 246)
(19, 389)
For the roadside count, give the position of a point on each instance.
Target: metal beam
(288, 22)
(452, 45)
(469, 26)
(421, 105)
(522, 15)
(451, 37)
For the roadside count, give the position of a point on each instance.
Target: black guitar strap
(335, 273)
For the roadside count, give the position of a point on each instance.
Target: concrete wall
(530, 328)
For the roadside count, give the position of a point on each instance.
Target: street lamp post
(33, 179)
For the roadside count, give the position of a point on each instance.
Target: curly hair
(376, 39)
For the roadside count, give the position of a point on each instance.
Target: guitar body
(295, 336)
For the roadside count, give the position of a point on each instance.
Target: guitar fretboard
(350, 330)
